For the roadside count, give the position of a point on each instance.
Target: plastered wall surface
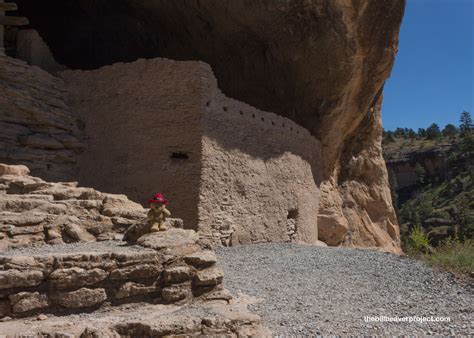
(238, 174)
(142, 125)
(259, 174)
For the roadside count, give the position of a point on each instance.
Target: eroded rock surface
(168, 285)
(33, 211)
(38, 129)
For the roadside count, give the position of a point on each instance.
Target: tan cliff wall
(356, 205)
(37, 127)
(260, 174)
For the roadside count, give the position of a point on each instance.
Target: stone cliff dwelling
(290, 152)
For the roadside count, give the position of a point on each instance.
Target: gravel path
(313, 290)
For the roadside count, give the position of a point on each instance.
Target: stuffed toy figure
(158, 213)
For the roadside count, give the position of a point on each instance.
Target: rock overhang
(303, 61)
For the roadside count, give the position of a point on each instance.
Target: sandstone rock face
(38, 130)
(401, 163)
(72, 277)
(33, 211)
(31, 48)
(357, 209)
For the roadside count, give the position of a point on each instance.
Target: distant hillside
(432, 182)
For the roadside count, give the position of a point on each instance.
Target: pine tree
(465, 123)
(433, 132)
(450, 131)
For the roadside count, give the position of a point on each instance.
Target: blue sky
(432, 79)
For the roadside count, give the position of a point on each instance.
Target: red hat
(158, 198)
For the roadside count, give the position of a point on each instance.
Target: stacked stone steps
(83, 276)
(35, 212)
(165, 285)
(63, 261)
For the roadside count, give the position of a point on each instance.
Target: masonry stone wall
(142, 125)
(260, 173)
(238, 174)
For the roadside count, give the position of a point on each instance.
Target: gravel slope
(314, 290)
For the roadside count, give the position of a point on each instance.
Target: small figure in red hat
(158, 213)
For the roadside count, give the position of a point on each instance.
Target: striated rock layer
(321, 63)
(37, 127)
(33, 211)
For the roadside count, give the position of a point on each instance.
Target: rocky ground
(315, 290)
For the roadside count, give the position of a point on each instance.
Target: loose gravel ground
(314, 290)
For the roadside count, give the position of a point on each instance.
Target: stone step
(80, 277)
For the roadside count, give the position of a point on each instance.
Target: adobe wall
(241, 175)
(260, 174)
(142, 125)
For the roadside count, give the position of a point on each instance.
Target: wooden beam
(9, 6)
(13, 21)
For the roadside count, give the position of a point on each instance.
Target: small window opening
(179, 155)
(292, 214)
(225, 108)
(291, 225)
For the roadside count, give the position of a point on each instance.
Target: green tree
(399, 132)
(388, 137)
(433, 132)
(420, 174)
(465, 123)
(450, 131)
(422, 132)
(411, 134)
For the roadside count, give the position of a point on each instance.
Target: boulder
(77, 233)
(201, 258)
(121, 206)
(76, 277)
(208, 277)
(23, 218)
(131, 289)
(169, 239)
(176, 274)
(83, 297)
(17, 170)
(136, 271)
(16, 278)
(175, 292)
(28, 301)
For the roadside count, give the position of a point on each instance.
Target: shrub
(453, 255)
(417, 242)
